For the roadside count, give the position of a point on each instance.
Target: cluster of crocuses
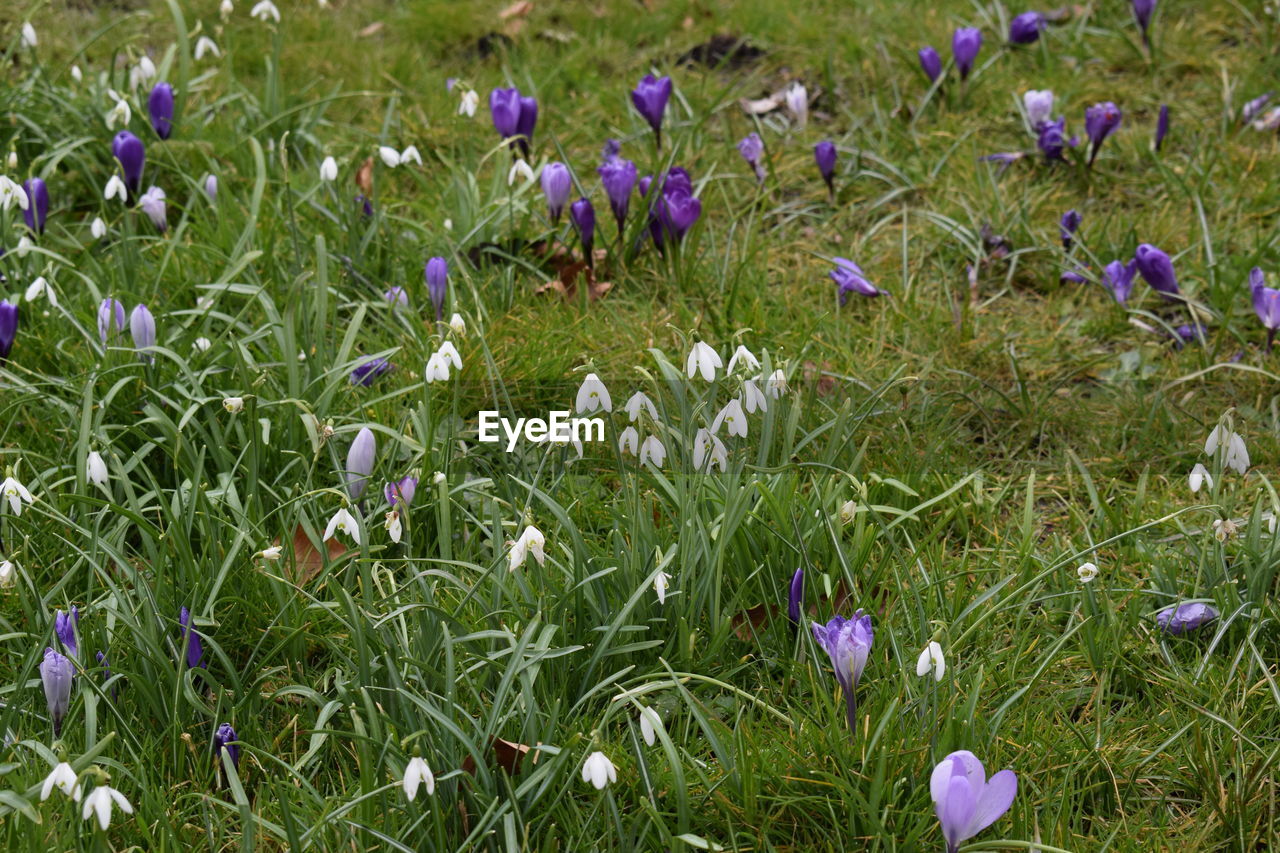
(361, 458)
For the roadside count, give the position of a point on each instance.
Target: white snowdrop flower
(265, 11)
(439, 477)
(468, 102)
(24, 246)
(206, 46)
(1224, 529)
(519, 169)
(776, 384)
(11, 192)
(1217, 435)
(1039, 106)
(38, 288)
(29, 34)
(650, 722)
(120, 113)
(394, 528)
(1237, 454)
(234, 405)
(639, 402)
(115, 188)
(458, 326)
(661, 582)
(344, 521)
(329, 169)
(204, 303)
(653, 451)
(98, 228)
(931, 658)
(629, 441)
(848, 512)
(449, 351)
(797, 98)
(1200, 476)
(273, 553)
(99, 803)
(11, 162)
(202, 344)
(745, 356)
(1087, 572)
(437, 368)
(410, 155)
(753, 399)
(95, 468)
(703, 360)
(417, 773)
(592, 395)
(531, 541)
(141, 73)
(389, 156)
(8, 573)
(76, 74)
(63, 778)
(732, 418)
(448, 224)
(15, 493)
(225, 9)
(708, 450)
(599, 770)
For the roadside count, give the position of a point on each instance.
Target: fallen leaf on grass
(371, 30)
(507, 754)
(364, 177)
(307, 561)
(519, 9)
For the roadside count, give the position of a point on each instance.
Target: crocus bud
(618, 177)
(160, 106)
(849, 279)
(64, 626)
(930, 62)
(8, 328)
(211, 187)
(132, 156)
(1142, 10)
(37, 210)
(1266, 303)
(1100, 120)
(528, 121)
(1251, 108)
(556, 186)
(142, 326)
(965, 44)
(1119, 277)
(152, 204)
(437, 276)
(583, 216)
(751, 147)
(1181, 618)
(1162, 125)
(824, 154)
(1026, 28)
(56, 673)
(190, 639)
(1156, 269)
(1067, 226)
(650, 98)
(224, 738)
(1051, 138)
(110, 318)
(1039, 106)
(360, 459)
(795, 597)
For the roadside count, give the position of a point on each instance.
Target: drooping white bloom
(10, 192)
(1216, 435)
(653, 451)
(592, 395)
(76, 74)
(709, 450)
(234, 405)
(531, 541)
(450, 352)
(410, 155)
(265, 11)
(650, 722)
(1200, 476)
(143, 72)
(99, 803)
(417, 773)
(98, 228)
(599, 770)
(206, 46)
(202, 344)
(11, 162)
(24, 246)
(661, 581)
(732, 418)
(639, 402)
(519, 169)
(776, 384)
(115, 188)
(437, 368)
(64, 779)
(225, 8)
(468, 102)
(1087, 572)
(329, 169)
(931, 658)
(95, 468)
(797, 98)
(120, 112)
(848, 512)
(344, 521)
(29, 34)
(703, 360)
(15, 493)
(389, 156)
(458, 326)
(629, 440)
(1237, 454)
(8, 573)
(1039, 105)
(753, 399)
(1224, 529)
(273, 553)
(394, 528)
(39, 287)
(744, 355)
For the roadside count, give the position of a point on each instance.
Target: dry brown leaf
(821, 374)
(752, 620)
(307, 561)
(566, 284)
(364, 177)
(371, 30)
(507, 754)
(519, 9)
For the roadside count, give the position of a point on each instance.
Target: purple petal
(996, 798)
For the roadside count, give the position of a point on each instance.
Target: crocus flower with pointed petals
(849, 278)
(64, 625)
(1162, 125)
(1181, 618)
(1039, 106)
(56, 673)
(1051, 138)
(1266, 303)
(965, 801)
(932, 659)
(37, 209)
(1100, 121)
(599, 770)
(152, 204)
(160, 106)
(436, 273)
(98, 803)
(417, 774)
(965, 44)
(366, 372)
(110, 318)
(618, 176)
(360, 458)
(1067, 226)
(583, 216)
(1251, 108)
(397, 297)
(8, 328)
(132, 156)
(703, 360)
(1142, 10)
(930, 62)
(1119, 277)
(795, 597)
(190, 639)
(401, 493)
(557, 183)
(225, 738)
(650, 98)
(848, 643)
(824, 154)
(1025, 28)
(1156, 269)
(751, 147)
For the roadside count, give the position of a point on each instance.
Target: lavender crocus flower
(795, 597)
(849, 278)
(402, 492)
(152, 204)
(930, 62)
(1266, 303)
(1162, 125)
(1100, 121)
(556, 186)
(1119, 277)
(436, 274)
(110, 318)
(1067, 226)
(1025, 29)
(191, 639)
(965, 44)
(751, 147)
(1156, 269)
(1181, 618)
(1251, 109)
(360, 458)
(8, 328)
(160, 106)
(678, 209)
(965, 800)
(1189, 333)
(848, 643)
(583, 216)
(142, 326)
(224, 738)
(1142, 10)
(132, 156)
(37, 204)
(64, 625)
(824, 154)
(211, 187)
(650, 98)
(56, 673)
(619, 178)
(367, 371)
(1004, 159)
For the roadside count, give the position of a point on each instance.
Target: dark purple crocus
(437, 275)
(1100, 121)
(965, 44)
(110, 318)
(1051, 138)
(1067, 226)
(583, 216)
(8, 328)
(56, 673)
(528, 121)
(619, 178)
(160, 106)
(1189, 333)
(1156, 269)
(1266, 303)
(367, 371)
(965, 800)
(64, 625)
(650, 98)
(1004, 159)
(37, 204)
(824, 154)
(132, 155)
(849, 278)
(1181, 618)
(751, 147)
(1025, 29)
(557, 183)
(1119, 277)
(106, 672)
(848, 643)
(931, 63)
(514, 115)
(1162, 125)
(402, 492)
(673, 207)
(795, 597)
(366, 206)
(191, 639)
(225, 738)
(1251, 109)
(1142, 10)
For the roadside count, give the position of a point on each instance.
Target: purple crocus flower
(366, 206)
(557, 183)
(160, 106)
(965, 800)
(1074, 276)
(132, 156)
(37, 204)
(367, 371)
(401, 492)
(1162, 125)
(436, 273)
(849, 278)
(504, 109)
(528, 121)
(751, 147)
(142, 326)
(397, 297)
(153, 205)
(676, 208)
(795, 597)
(1142, 10)
(1251, 109)
(1181, 618)
(191, 639)
(1156, 269)
(848, 643)
(824, 154)
(1051, 138)
(1266, 303)
(1067, 226)
(110, 318)
(1189, 333)
(1119, 277)
(619, 178)
(930, 62)
(211, 187)
(224, 738)
(1004, 159)
(1026, 28)
(8, 328)
(583, 216)
(650, 98)
(64, 625)
(965, 44)
(360, 458)
(1100, 121)
(56, 673)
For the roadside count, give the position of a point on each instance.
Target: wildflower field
(639, 425)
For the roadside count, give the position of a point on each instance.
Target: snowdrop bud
(12, 160)
(96, 468)
(931, 659)
(329, 169)
(661, 582)
(225, 9)
(76, 74)
(458, 325)
(1087, 572)
(29, 35)
(98, 228)
(234, 405)
(389, 156)
(202, 344)
(8, 573)
(273, 553)
(650, 722)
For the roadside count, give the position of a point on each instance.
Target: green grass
(991, 437)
